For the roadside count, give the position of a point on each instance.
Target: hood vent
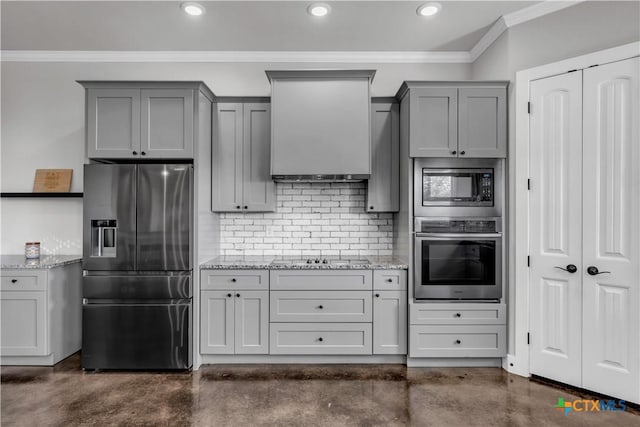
(320, 125)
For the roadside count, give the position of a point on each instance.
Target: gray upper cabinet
(241, 179)
(457, 119)
(142, 120)
(383, 185)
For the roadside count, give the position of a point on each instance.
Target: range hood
(320, 125)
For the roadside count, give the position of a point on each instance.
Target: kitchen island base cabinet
(40, 314)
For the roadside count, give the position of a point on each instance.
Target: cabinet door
(167, 123)
(113, 123)
(216, 326)
(252, 322)
(383, 185)
(482, 122)
(24, 319)
(226, 174)
(390, 322)
(433, 122)
(258, 193)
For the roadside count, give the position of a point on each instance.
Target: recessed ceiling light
(192, 8)
(319, 9)
(429, 9)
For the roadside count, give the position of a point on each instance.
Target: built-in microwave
(467, 189)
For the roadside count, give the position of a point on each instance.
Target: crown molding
(235, 56)
(496, 30)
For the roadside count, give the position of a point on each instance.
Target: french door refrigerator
(137, 262)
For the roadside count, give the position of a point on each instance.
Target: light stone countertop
(19, 262)
(289, 263)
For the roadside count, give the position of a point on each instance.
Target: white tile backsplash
(312, 219)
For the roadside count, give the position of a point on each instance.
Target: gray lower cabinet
(456, 119)
(40, 314)
(320, 306)
(234, 312)
(383, 185)
(142, 120)
(241, 177)
(234, 322)
(457, 330)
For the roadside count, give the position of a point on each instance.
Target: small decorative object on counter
(32, 250)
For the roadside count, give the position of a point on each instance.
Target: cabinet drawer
(457, 341)
(457, 314)
(23, 281)
(234, 279)
(320, 306)
(322, 280)
(320, 338)
(390, 280)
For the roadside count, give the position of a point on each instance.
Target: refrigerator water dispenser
(103, 238)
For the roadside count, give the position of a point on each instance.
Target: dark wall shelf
(42, 195)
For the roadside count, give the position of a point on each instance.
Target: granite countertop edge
(19, 262)
(239, 264)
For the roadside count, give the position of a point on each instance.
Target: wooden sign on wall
(52, 181)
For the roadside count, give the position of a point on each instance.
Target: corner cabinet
(142, 120)
(456, 119)
(241, 178)
(383, 185)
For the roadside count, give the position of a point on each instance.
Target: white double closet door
(585, 212)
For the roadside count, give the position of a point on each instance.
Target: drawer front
(458, 314)
(235, 279)
(320, 338)
(321, 280)
(23, 281)
(457, 341)
(321, 306)
(390, 280)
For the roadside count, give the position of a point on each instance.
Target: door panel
(167, 123)
(258, 187)
(164, 217)
(556, 215)
(24, 323)
(113, 123)
(226, 174)
(611, 229)
(252, 322)
(109, 194)
(482, 122)
(433, 113)
(390, 322)
(382, 186)
(216, 327)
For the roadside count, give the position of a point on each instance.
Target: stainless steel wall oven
(458, 259)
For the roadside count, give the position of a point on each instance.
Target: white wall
(574, 31)
(42, 116)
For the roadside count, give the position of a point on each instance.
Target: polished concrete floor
(301, 395)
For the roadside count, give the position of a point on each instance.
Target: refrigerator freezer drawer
(132, 287)
(136, 336)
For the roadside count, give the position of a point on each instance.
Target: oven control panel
(458, 225)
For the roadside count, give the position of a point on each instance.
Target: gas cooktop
(320, 261)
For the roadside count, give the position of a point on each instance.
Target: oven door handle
(466, 236)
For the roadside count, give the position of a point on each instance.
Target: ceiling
(247, 26)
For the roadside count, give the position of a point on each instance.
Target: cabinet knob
(389, 280)
(320, 307)
(458, 342)
(233, 280)
(246, 207)
(229, 295)
(14, 280)
(135, 153)
(237, 295)
(370, 207)
(377, 295)
(320, 339)
(143, 153)
(458, 315)
(454, 152)
(462, 153)
(238, 207)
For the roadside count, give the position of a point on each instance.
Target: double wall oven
(458, 239)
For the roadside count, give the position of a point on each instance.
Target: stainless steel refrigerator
(137, 262)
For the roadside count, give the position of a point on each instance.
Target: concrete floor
(316, 395)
